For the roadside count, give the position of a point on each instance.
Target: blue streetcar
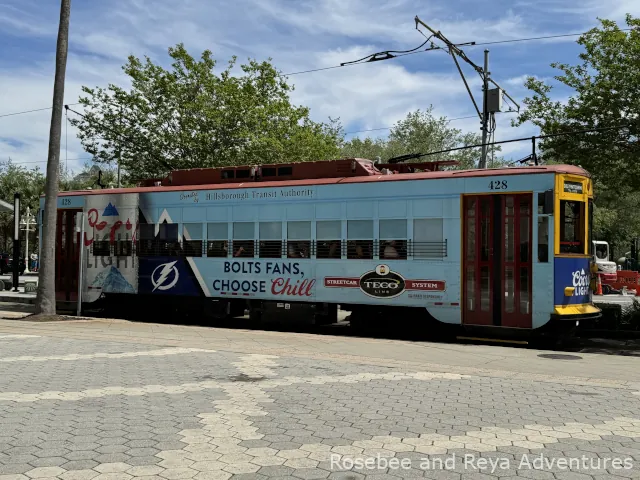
(504, 248)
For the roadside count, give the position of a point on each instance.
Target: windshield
(602, 251)
(572, 227)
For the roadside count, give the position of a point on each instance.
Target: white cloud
(299, 35)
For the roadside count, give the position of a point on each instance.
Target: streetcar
(504, 249)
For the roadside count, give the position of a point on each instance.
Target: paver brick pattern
(80, 409)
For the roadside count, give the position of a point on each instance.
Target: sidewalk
(9, 296)
(115, 400)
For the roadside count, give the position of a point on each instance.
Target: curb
(28, 299)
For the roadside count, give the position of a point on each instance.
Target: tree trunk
(46, 298)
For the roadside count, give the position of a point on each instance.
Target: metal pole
(485, 114)
(81, 266)
(119, 170)
(26, 248)
(16, 241)
(41, 212)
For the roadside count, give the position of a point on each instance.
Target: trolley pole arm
(466, 84)
(451, 45)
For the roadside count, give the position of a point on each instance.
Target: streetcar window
(217, 243)
(545, 203)
(146, 244)
(246, 173)
(572, 227)
(217, 231)
(123, 248)
(285, 171)
(541, 203)
(270, 239)
(147, 231)
(393, 239)
(169, 232)
(328, 239)
(192, 239)
(101, 248)
(268, 172)
(298, 239)
(168, 244)
(243, 239)
(543, 239)
(428, 238)
(192, 231)
(359, 239)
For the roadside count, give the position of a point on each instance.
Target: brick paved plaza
(112, 400)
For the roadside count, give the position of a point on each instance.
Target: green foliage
(617, 218)
(605, 87)
(422, 132)
(30, 184)
(191, 117)
(17, 179)
(606, 93)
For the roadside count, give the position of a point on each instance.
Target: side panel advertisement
(109, 218)
(384, 283)
(571, 272)
(259, 278)
(333, 282)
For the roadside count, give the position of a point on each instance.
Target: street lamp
(16, 240)
(28, 219)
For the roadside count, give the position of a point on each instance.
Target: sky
(297, 35)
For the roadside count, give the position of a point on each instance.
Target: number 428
(498, 185)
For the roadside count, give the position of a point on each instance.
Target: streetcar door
(477, 263)
(497, 260)
(67, 255)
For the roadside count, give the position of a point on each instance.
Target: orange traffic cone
(599, 286)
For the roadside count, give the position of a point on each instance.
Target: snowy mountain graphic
(110, 211)
(112, 281)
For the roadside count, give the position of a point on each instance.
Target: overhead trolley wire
(469, 44)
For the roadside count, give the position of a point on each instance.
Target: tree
(191, 117)
(46, 294)
(30, 184)
(616, 219)
(422, 132)
(605, 88)
(605, 94)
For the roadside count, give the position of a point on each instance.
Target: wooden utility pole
(46, 297)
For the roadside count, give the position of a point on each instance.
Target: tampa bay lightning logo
(165, 276)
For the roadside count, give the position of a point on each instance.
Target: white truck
(607, 269)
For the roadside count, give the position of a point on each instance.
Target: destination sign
(573, 187)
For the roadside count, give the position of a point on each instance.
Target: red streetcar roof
(541, 169)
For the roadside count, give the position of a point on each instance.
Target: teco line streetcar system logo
(384, 283)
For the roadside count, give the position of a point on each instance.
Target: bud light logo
(581, 283)
(382, 283)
